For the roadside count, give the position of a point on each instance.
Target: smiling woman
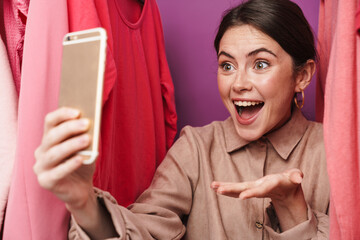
(260, 174)
(257, 80)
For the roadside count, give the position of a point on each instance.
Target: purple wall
(189, 29)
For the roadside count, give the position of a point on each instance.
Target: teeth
(246, 103)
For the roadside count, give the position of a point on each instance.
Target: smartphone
(82, 77)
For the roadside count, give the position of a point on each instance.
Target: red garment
(139, 117)
(15, 16)
(339, 64)
(139, 85)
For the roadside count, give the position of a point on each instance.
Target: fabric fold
(35, 211)
(339, 77)
(8, 127)
(15, 18)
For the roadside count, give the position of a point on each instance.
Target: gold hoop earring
(302, 102)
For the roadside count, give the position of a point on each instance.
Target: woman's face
(256, 81)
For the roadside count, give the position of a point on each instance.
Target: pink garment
(326, 32)
(8, 126)
(358, 20)
(32, 212)
(15, 17)
(339, 61)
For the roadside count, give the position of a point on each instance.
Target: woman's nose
(241, 83)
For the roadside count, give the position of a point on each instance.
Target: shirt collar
(283, 139)
(232, 139)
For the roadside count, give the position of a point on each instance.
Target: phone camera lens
(68, 38)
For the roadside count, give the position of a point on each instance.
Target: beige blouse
(180, 204)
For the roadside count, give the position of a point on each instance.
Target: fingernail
(298, 178)
(84, 122)
(73, 112)
(78, 159)
(84, 139)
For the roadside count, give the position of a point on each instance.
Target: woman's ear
(304, 75)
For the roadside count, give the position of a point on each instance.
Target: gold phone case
(82, 77)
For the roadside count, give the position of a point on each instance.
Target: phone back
(83, 64)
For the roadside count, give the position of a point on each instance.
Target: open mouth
(248, 109)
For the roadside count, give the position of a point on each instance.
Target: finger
(263, 187)
(296, 178)
(58, 116)
(215, 185)
(63, 131)
(58, 153)
(294, 175)
(234, 189)
(231, 186)
(49, 179)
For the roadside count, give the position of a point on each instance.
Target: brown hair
(282, 20)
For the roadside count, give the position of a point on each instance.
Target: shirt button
(258, 225)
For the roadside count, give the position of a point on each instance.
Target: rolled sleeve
(315, 228)
(158, 212)
(109, 202)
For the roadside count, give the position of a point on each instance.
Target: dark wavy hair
(282, 20)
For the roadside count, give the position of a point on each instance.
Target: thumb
(295, 175)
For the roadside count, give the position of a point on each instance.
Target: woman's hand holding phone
(58, 167)
(65, 158)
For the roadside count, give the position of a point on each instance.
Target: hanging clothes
(326, 31)
(338, 75)
(358, 21)
(139, 116)
(129, 154)
(32, 212)
(8, 126)
(15, 17)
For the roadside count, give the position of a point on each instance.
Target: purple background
(189, 30)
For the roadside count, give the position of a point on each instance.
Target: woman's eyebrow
(252, 53)
(225, 54)
(256, 51)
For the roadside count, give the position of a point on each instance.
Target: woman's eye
(227, 67)
(261, 65)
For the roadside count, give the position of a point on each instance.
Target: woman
(260, 174)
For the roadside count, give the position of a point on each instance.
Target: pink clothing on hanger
(8, 126)
(15, 17)
(339, 77)
(358, 20)
(326, 33)
(32, 212)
